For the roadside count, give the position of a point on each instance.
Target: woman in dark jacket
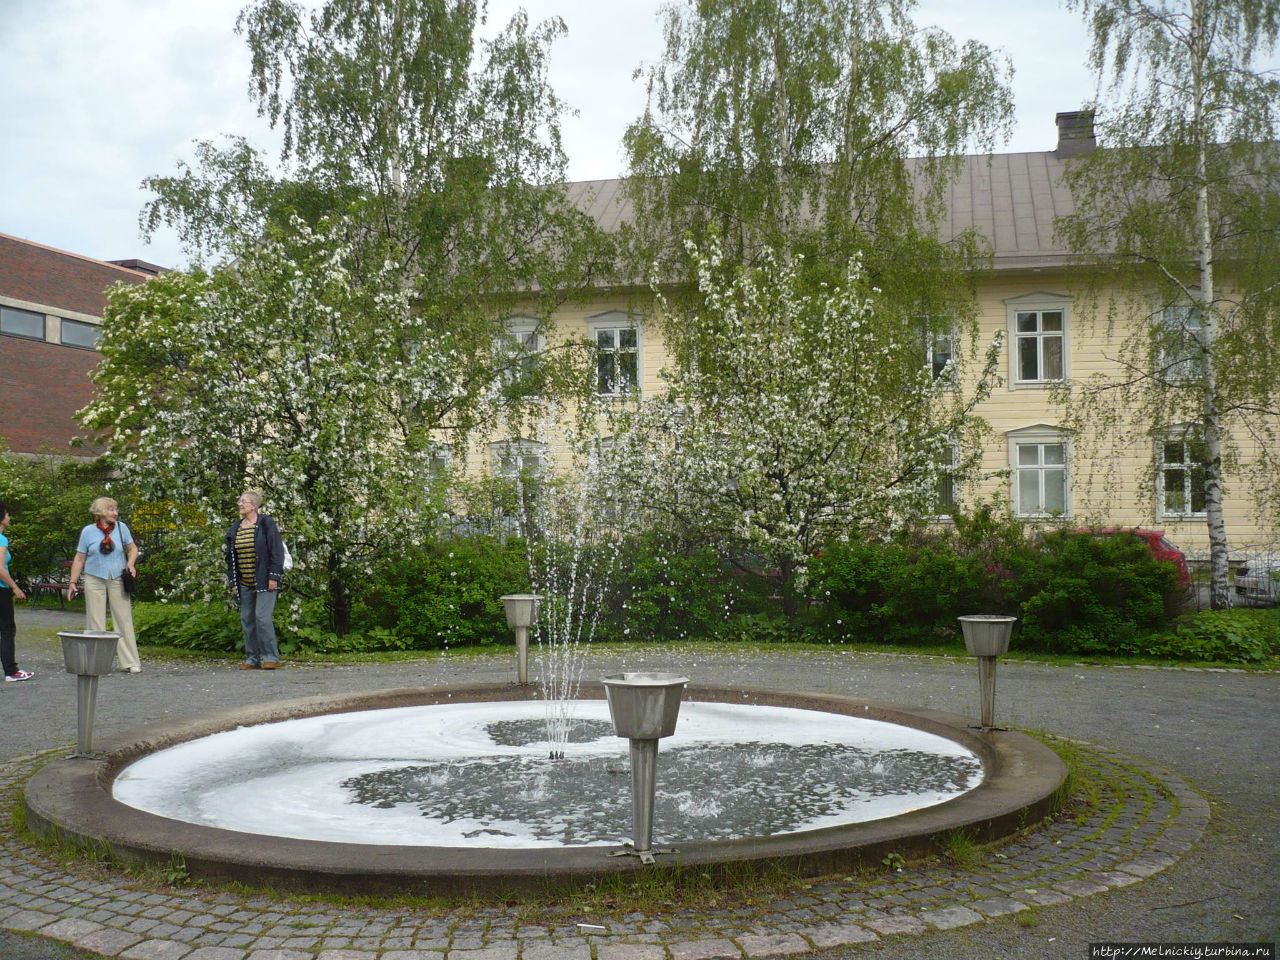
(255, 565)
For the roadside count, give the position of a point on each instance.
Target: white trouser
(96, 594)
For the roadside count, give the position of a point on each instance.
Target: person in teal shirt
(9, 592)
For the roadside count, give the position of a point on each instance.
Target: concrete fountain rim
(71, 799)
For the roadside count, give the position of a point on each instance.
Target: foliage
(824, 128)
(1240, 636)
(792, 418)
(445, 593)
(348, 335)
(48, 498)
(1178, 219)
(205, 627)
(899, 592)
(438, 152)
(665, 589)
(1079, 592)
(314, 400)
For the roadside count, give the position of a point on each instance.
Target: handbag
(287, 565)
(128, 581)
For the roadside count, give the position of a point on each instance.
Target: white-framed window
(1179, 343)
(22, 323)
(1039, 456)
(941, 352)
(516, 458)
(1039, 335)
(77, 333)
(946, 491)
(519, 347)
(1181, 458)
(616, 336)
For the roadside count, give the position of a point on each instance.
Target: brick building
(51, 305)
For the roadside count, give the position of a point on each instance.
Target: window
(22, 323)
(518, 351)
(1040, 476)
(940, 353)
(515, 458)
(1179, 343)
(946, 494)
(1180, 475)
(1038, 335)
(76, 333)
(617, 340)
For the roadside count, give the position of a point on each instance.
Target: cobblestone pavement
(1148, 827)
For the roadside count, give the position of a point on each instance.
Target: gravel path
(1219, 731)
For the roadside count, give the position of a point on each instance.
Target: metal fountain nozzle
(522, 613)
(644, 708)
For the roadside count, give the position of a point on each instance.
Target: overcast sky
(97, 94)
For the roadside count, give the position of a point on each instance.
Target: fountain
(461, 795)
(465, 789)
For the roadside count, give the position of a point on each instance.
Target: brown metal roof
(1011, 198)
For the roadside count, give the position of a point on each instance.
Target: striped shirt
(246, 555)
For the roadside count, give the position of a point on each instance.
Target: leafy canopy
(795, 417)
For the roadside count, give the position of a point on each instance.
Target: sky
(99, 94)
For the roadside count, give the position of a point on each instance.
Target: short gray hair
(99, 507)
(254, 497)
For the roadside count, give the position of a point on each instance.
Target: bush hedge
(1072, 592)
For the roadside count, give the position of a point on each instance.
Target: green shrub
(664, 589)
(1086, 593)
(211, 628)
(898, 592)
(444, 594)
(1234, 636)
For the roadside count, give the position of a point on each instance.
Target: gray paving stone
(497, 952)
(997, 906)
(344, 954)
(704, 949)
(216, 953)
(29, 920)
(545, 950)
(158, 950)
(777, 945)
(949, 917)
(823, 935)
(69, 930)
(629, 951)
(281, 955)
(1080, 888)
(107, 941)
(1113, 878)
(410, 955)
(1044, 898)
(1146, 866)
(890, 926)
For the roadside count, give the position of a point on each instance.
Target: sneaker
(19, 676)
(135, 669)
(269, 664)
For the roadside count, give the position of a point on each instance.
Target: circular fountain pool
(478, 775)
(448, 790)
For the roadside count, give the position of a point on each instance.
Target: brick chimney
(1075, 133)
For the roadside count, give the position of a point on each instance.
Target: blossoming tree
(794, 417)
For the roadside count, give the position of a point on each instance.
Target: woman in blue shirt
(9, 592)
(106, 549)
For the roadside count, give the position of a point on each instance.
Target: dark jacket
(268, 551)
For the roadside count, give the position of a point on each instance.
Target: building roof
(49, 277)
(1010, 198)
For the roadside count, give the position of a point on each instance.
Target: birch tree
(1182, 212)
(828, 128)
(439, 153)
